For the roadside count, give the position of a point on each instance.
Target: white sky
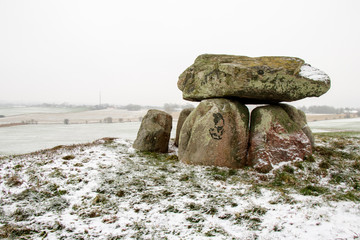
(134, 51)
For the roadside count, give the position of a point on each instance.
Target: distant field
(57, 116)
(29, 138)
(321, 117)
(33, 137)
(348, 124)
(11, 111)
(51, 130)
(46, 115)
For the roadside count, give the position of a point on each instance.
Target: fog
(134, 51)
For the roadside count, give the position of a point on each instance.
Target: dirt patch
(322, 117)
(11, 124)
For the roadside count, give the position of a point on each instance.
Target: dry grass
(322, 117)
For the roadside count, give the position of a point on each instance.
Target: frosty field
(107, 190)
(30, 138)
(50, 130)
(347, 124)
(13, 111)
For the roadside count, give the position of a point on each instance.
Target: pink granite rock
(275, 138)
(215, 134)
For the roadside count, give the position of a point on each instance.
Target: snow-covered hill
(107, 190)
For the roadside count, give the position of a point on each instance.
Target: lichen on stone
(251, 80)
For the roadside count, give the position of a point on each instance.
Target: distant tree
(108, 120)
(171, 107)
(132, 107)
(188, 105)
(303, 108)
(121, 120)
(323, 110)
(100, 107)
(2, 116)
(31, 121)
(168, 107)
(66, 121)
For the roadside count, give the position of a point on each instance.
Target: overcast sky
(134, 51)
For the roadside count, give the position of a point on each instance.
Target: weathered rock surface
(274, 138)
(154, 132)
(182, 117)
(252, 80)
(299, 118)
(215, 134)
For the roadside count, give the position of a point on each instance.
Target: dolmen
(220, 131)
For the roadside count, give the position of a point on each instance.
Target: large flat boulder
(275, 138)
(215, 134)
(154, 132)
(252, 80)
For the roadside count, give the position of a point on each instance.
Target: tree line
(328, 110)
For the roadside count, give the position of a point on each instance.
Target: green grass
(349, 196)
(68, 157)
(13, 231)
(284, 178)
(312, 190)
(251, 217)
(221, 174)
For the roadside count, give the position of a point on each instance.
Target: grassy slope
(105, 190)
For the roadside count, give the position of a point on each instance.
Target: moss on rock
(253, 80)
(215, 134)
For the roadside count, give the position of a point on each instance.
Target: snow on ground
(75, 117)
(107, 190)
(348, 124)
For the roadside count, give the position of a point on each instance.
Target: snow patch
(310, 72)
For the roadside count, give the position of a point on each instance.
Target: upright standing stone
(299, 117)
(182, 117)
(275, 138)
(154, 132)
(215, 134)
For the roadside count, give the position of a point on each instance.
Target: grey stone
(154, 132)
(182, 117)
(215, 134)
(299, 117)
(252, 80)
